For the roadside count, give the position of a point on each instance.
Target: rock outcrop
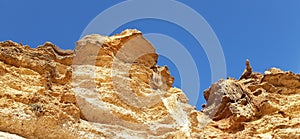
(111, 87)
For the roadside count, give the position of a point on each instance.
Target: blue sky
(266, 32)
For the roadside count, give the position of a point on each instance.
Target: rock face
(257, 105)
(111, 87)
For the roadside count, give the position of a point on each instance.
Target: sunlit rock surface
(111, 87)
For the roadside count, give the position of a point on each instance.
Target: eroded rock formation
(111, 87)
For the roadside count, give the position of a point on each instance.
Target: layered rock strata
(111, 87)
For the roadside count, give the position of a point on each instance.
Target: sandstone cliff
(111, 87)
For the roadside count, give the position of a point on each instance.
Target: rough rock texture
(6, 135)
(111, 87)
(258, 105)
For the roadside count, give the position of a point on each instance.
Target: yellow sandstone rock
(111, 87)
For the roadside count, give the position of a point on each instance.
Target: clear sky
(266, 32)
